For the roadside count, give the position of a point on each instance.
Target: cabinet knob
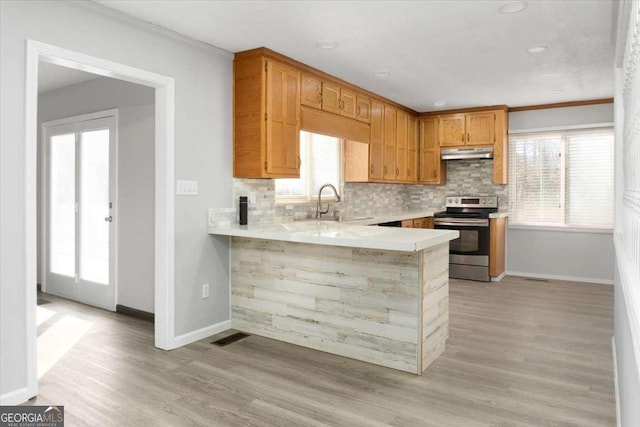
(384, 170)
(371, 169)
(468, 139)
(358, 110)
(434, 173)
(397, 171)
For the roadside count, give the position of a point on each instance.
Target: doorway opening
(163, 212)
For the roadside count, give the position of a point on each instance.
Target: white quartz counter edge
(336, 234)
(397, 216)
(499, 215)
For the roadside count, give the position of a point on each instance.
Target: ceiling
(462, 53)
(52, 77)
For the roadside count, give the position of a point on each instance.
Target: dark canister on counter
(244, 206)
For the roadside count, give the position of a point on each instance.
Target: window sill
(562, 229)
(303, 201)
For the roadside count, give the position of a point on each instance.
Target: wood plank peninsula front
(375, 294)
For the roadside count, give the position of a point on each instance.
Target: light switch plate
(187, 188)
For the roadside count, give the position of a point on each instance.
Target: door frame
(164, 187)
(44, 199)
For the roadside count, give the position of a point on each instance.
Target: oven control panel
(472, 202)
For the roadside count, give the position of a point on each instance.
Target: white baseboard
(615, 381)
(499, 278)
(15, 397)
(559, 277)
(199, 334)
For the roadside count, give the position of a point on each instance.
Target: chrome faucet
(319, 211)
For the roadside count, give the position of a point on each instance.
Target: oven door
(472, 247)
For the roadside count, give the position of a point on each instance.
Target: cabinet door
(412, 148)
(389, 169)
(401, 145)
(376, 147)
(311, 91)
(429, 151)
(283, 120)
(481, 128)
(330, 98)
(363, 108)
(407, 223)
(451, 131)
(347, 103)
(420, 223)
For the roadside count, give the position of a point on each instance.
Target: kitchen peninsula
(375, 294)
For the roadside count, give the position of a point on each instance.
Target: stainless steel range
(468, 254)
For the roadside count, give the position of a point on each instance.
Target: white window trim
(562, 229)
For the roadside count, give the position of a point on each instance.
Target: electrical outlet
(205, 291)
(252, 197)
(212, 217)
(187, 188)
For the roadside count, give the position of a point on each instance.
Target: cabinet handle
(358, 110)
(434, 174)
(468, 139)
(384, 170)
(371, 169)
(341, 105)
(320, 96)
(463, 137)
(397, 171)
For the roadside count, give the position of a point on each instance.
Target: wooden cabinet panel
(347, 103)
(376, 146)
(310, 91)
(283, 120)
(266, 119)
(401, 145)
(412, 148)
(389, 168)
(363, 108)
(497, 236)
(330, 98)
(501, 149)
(432, 169)
(452, 130)
(407, 223)
(480, 128)
(430, 222)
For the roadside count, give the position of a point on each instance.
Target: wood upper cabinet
(389, 156)
(282, 120)
(376, 146)
(480, 128)
(311, 91)
(451, 131)
(338, 100)
(412, 148)
(363, 108)
(266, 118)
(459, 130)
(401, 145)
(432, 169)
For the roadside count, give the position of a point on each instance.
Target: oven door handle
(462, 223)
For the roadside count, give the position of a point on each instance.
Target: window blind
(562, 178)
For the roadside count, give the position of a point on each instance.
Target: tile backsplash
(464, 177)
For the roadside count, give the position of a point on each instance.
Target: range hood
(466, 153)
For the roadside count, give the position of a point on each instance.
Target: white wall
(136, 152)
(203, 144)
(583, 256)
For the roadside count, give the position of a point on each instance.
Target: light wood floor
(520, 352)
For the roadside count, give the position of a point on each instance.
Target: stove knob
(457, 200)
(484, 201)
(449, 200)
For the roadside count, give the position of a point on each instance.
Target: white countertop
(343, 234)
(395, 216)
(499, 215)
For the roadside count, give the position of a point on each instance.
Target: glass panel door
(62, 199)
(94, 206)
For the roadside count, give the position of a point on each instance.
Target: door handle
(108, 218)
